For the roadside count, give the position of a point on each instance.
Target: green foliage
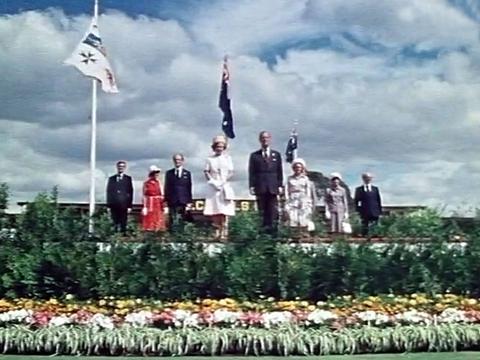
(50, 253)
(3, 197)
(419, 223)
(282, 340)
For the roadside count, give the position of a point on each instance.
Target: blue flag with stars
(291, 147)
(224, 103)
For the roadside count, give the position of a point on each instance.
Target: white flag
(90, 58)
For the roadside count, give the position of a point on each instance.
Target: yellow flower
(102, 302)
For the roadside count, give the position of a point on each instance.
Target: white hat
(335, 175)
(154, 168)
(298, 161)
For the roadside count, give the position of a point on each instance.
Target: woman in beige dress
(300, 197)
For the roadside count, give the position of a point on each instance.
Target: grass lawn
(414, 356)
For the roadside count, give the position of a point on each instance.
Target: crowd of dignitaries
(266, 183)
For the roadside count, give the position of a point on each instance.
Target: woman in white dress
(300, 197)
(219, 201)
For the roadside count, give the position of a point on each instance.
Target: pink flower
(82, 317)
(251, 318)
(41, 318)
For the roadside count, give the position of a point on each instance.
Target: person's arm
(130, 192)
(166, 187)
(345, 203)
(379, 199)
(312, 194)
(160, 192)
(144, 199)
(189, 188)
(326, 204)
(251, 175)
(206, 171)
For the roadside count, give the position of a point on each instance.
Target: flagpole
(93, 144)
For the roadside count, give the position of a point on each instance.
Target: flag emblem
(291, 147)
(91, 60)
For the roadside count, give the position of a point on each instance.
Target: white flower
(16, 316)
(225, 316)
(414, 317)
(368, 315)
(321, 316)
(102, 321)
(141, 318)
(276, 318)
(185, 318)
(60, 320)
(450, 315)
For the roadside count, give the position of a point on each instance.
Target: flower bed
(341, 312)
(146, 327)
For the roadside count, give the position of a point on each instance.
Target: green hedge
(51, 254)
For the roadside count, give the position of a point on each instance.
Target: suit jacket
(368, 203)
(120, 193)
(265, 175)
(178, 191)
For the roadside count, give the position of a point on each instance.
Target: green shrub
(52, 254)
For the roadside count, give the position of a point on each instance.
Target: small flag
(224, 102)
(90, 58)
(291, 147)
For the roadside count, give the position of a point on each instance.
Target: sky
(390, 87)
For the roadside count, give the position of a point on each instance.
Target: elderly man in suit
(120, 197)
(178, 190)
(368, 203)
(266, 181)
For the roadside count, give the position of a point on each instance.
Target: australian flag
(291, 147)
(224, 103)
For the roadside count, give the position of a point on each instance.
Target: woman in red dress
(152, 212)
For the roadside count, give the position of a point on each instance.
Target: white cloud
(408, 119)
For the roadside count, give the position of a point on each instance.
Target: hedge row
(50, 254)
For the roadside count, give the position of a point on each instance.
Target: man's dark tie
(176, 172)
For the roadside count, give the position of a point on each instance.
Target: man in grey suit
(265, 175)
(368, 203)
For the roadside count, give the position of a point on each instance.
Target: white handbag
(346, 227)
(228, 192)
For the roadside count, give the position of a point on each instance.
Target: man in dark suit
(120, 197)
(368, 203)
(265, 175)
(178, 190)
